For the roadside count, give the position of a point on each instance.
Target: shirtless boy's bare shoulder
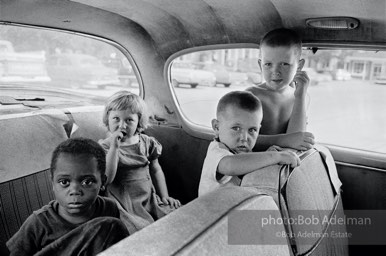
(260, 90)
(266, 94)
(257, 89)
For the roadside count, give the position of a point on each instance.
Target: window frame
(205, 132)
(111, 42)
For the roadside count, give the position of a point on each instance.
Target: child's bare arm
(298, 119)
(112, 156)
(263, 142)
(296, 140)
(241, 164)
(111, 164)
(296, 136)
(159, 180)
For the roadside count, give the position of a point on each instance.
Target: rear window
(64, 61)
(346, 95)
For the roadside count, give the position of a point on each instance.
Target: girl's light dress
(132, 186)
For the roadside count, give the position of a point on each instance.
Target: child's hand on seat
(275, 148)
(290, 158)
(170, 201)
(298, 140)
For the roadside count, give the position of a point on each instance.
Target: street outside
(345, 113)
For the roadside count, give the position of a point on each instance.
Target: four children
(80, 168)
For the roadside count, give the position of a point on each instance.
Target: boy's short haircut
(79, 146)
(125, 100)
(242, 99)
(282, 37)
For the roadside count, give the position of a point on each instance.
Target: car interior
(344, 174)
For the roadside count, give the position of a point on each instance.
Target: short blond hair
(125, 100)
(241, 99)
(283, 37)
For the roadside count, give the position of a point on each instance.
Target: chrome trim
(360, 166)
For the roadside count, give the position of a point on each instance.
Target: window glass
(346, 94)
(63, 61)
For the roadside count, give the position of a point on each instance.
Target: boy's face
(279, 65)
(123, 120)
(238, 128)
(76, 183)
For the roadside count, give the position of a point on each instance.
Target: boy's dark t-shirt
(45, 225)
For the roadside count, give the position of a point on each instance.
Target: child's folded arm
(263, 142)
(244, 163)
(296, 140)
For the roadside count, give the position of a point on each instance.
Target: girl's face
(124, 121)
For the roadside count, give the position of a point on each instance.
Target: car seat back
(202, 227)
(309, 200)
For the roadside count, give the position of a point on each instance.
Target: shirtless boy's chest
(276, 114)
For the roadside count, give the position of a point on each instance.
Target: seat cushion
(202, 228)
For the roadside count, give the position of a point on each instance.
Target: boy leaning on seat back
(238, 120)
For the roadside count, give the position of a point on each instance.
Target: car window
(90, 62)
(63, 62)
(346, 93)
(79, 64)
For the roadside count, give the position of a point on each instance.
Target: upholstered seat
(202, 228)
(310, 193)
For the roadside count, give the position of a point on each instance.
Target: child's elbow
(155, 170)
(225, 167)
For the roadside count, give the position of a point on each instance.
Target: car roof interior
(173, 25)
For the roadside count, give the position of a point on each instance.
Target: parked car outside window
(80, 71)
(344, 99)
(190, 74)
(225, 76)
(22, 66)
(380, 80)
(317, 77)
(126, 73)
(341, 75)
(251, 67)
(62, 61)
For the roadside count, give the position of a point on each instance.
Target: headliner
(174, 25)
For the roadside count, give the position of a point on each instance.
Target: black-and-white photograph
(192, 127)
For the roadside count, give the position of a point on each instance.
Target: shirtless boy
(284, 92)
